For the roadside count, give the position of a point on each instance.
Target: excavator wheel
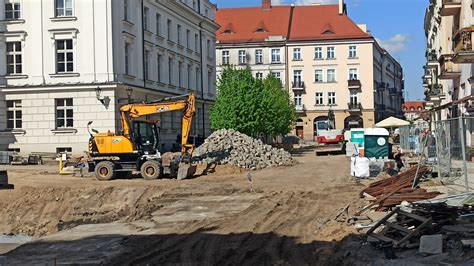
(150, 170)
(104, 171)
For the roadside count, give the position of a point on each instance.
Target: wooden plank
(413, 233)
(382, 221)
(382, 238)
(398, 227)
(414, 216)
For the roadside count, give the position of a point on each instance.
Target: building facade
(69, 62)
(448, 79)
(413, 110)
(325, 61)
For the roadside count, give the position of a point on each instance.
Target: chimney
(266, 4)
(342, 7)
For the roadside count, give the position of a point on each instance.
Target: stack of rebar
(394, 190)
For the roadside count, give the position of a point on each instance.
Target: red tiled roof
(321, 22)
(415, 104)
(245, 22)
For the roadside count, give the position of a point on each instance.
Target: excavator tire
(150, 170)
(105, 171)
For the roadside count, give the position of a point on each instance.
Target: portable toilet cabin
(376, 143)
(357, 137)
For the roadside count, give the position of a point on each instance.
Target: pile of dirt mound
(234, 148)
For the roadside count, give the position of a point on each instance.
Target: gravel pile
(234, 148)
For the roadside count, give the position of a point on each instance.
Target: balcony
(449, 69)
(354, 107)
(450, 7)
(380, 86)
(392, 91)
(298, 85)
(435, 93)
(300, 108)
(354, 84)
(463, 53)
(432, 58)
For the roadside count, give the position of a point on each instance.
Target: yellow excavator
(135, 148)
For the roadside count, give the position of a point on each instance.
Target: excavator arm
(188, 105)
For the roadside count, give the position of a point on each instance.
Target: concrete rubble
(237, 149)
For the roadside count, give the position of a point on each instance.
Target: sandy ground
(286, 216)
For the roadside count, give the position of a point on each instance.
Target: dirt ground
(285, 216)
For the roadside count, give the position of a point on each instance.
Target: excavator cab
(145, 136)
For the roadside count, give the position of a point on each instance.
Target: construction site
(245, 203)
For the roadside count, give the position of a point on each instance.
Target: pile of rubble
(234, 148)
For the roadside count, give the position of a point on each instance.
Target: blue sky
(398, 24)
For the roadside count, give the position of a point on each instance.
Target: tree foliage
(252, 106)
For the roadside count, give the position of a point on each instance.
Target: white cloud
(394, 44)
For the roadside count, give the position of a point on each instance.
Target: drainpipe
(143, 45)
(202, 77)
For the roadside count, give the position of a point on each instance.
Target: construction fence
(448, 146)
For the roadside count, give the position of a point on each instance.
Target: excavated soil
(285, 215)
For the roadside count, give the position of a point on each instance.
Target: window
(127, 58)
(63, 8)
(170, 71)
(297, 77)
(196, 43)
(331, 53)
(64, 113)
(189, 76)
(352, 51)
(14, 114)
(242, 57)
(331, 75)
(225, 57)
(170, 30)
(209, 49)
(194, 4)
(258, 56)
(179, 34)
(209, 81)
(259, 75)
(318, 75)
(125, 10)
(180, 74)
(188, 39)
(319, 98)
(64, 56)
(318, 53)
(147, 64)
(159, 60)
(353, 98)
(198, 79)
(158, 24)
(277, 75)
(275, 55)
(331, 98)
(12, 11)
(298, 99)
(353, 74)
(146, 17)
(14, 58)
(296, 53)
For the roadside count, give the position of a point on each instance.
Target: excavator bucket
(185, 170)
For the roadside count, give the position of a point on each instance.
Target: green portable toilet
(376, 143)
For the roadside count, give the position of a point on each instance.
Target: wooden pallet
(404, 231)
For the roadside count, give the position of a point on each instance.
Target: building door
(300, 132)
(299, 128)
(353, 121)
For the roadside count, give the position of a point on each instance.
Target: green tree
(252, 106)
